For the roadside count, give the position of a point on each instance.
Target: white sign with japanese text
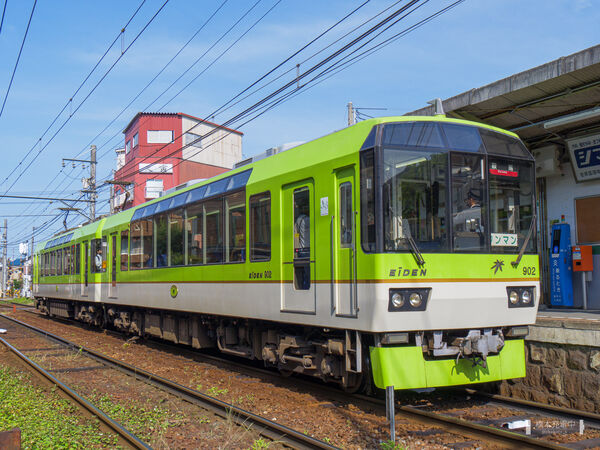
(504, 240)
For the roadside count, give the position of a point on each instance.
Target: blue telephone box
(561, 266)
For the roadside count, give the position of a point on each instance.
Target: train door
(343, 238)
(112, 286)
(298, 236)
(85, 270)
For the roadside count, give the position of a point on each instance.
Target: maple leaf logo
(497, 266)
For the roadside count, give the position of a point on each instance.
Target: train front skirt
(406, 368)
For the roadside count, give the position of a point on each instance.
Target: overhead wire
(173, 59)
(12, 77)
(290, 83)
(311, 42)
(375, 48)
(206, 22)
(87, 96)
(327, 69)
(371, 50)
(70, 99)
(3, 13)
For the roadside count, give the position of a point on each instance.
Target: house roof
(178, 114)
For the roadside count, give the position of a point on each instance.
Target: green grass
(45, 419)
(147, 424)
(20, 300)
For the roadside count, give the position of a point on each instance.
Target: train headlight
(520, 296)
(415, 300)
(408, 299)
(397, 300)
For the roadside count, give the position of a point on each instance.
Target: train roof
(307, 154)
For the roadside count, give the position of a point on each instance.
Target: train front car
(448, 258)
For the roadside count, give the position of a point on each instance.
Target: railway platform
(567, 326)
(563, 360)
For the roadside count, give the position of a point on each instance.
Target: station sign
(585, 157)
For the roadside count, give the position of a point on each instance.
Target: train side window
(301, 223)
(78, 259)
(99, 255)
(135, 246)
(367, 202)
(235, 205)
(64, 261)
(195, 237)
(302, 238)
(70, 250)
(260, 227)
(213, 229)
(176, 239)
(71, 257)
(124, 250)
(86, 258)
(346, 214)
(162, 242)
(147, 226)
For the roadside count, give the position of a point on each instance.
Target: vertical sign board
(561, 269)
(585, 157)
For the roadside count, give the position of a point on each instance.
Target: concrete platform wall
(563, 365)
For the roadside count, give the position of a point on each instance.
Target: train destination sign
(504, 240)
(585, 157)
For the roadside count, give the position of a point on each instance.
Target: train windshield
(447, 188)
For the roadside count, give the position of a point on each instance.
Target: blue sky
(476, 43)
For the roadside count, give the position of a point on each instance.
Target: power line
(70, 100)
(87, 96)
(326, 70)
(206, 22)
(3, 13)
(19, 56)
(213, 45)
(118, 133)
(291, 83)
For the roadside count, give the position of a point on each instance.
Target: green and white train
(399, 252)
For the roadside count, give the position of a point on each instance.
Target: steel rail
(461, 426)
(590, 417)
(115, 427)
(458, 426)
(272, 430)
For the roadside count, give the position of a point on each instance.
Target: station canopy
(543, 105)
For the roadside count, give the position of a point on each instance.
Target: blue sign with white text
(587, 157)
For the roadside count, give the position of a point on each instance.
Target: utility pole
(112, 195)
(351, 117)
(4, 259)
(93, 183)
(89, 184)
(31, 265)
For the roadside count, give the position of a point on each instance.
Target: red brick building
(164, 150)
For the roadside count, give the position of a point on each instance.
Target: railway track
(264, 427)
(469, 428)
(125, 437)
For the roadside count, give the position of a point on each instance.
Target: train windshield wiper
(412, 244)
(415, 250)
(516, 262)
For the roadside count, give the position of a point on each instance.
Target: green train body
(399, 250)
